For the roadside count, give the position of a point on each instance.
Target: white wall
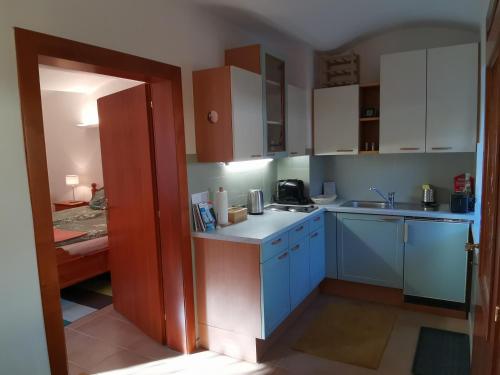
(70, 149)
(170, 31)
(403, 39)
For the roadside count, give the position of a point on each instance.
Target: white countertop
(259, 228)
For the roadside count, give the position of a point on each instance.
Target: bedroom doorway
(165, 291)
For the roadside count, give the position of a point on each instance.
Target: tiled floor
(106, 341)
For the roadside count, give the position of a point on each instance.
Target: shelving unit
(369, 127)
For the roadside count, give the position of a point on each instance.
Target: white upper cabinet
(402, 102)
(336, 120)
(297, 120)
(247, 119)
(452, 96)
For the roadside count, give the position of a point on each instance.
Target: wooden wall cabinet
(336, 120)
(452, 97)
(403, 102)
(296, 110)
(228, 114)
(255, 59)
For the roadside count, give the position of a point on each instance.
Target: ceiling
(57, 79)
(329, 24)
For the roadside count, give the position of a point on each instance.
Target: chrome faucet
(390, 196)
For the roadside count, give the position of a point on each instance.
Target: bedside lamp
(72, 180)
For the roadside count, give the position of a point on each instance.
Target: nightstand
(64, 205)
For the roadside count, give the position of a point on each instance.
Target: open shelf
(369, 127)
(369, 119)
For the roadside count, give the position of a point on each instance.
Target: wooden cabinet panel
(246, 99)
(228, 286)
(370, 249)
(296, 106)
(276, 291)
(336, 120)
(452, 97)
(317, 256)
(403, 102)
(299, 272)
(435, 262)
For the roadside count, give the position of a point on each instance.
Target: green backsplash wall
(209, 176)
(401, 173)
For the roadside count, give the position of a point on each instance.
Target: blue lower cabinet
(435, 260)
(331, 244)
(299, 272)
(370, 249)
(276, 290)
(317, 256)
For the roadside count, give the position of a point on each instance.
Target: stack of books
(204, 218)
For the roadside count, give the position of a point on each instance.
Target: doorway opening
(148, 146)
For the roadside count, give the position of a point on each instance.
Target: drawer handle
(441, 148)
(317, 218)
(275, 242)
(299, 228)
(283, 256)
(256, 156)
(315, 234)
(293, 153)
(345, 150)
(409, 148)
(296, 247)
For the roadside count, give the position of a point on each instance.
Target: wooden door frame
(34, 48)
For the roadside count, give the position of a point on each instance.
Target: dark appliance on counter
(462, 203)
(291, 191)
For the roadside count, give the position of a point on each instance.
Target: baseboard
(388, 296)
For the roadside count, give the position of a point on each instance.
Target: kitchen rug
(354, 333)
(85, 298)
(441, 353)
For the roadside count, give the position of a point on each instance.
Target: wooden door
(452, 87)
(486, 341)
(127, 158)
(336, 120)
(402, 102)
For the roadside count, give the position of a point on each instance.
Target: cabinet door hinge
(497, 312)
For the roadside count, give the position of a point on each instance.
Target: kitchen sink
(365, 204)
(384, 205)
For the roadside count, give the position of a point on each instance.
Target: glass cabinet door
(275, 105)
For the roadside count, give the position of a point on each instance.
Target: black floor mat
(441, 353)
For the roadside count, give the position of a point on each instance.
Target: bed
(81, 241)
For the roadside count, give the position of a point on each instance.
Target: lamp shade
(72, 180)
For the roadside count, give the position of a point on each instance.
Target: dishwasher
(435, 261)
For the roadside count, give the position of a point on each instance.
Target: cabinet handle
(256, 156)
(296, 247)
(299, 228)
(315, 234)
(283, 256)
(317, 218)
(293, 153)
(390, 220)
(345, 150)
(275, 242)
(441, 148)
(409, 148)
